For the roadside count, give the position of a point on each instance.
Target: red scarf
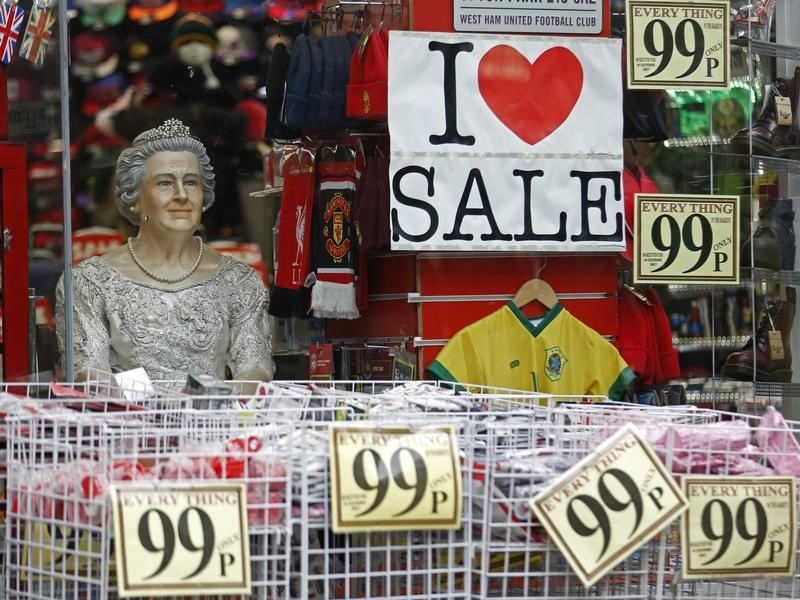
(294, 225)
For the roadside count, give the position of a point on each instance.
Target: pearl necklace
(152, 275)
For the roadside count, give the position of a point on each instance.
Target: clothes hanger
(535, 289)
(383, 15)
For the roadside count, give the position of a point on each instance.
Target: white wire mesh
(520, 560)
(59, 539)
(512, 445)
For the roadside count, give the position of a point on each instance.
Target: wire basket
(59, 534)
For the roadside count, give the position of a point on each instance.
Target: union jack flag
(37, 36)
(11, 16)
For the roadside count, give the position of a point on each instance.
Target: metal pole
(63, 56)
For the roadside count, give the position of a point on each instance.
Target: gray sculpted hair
(171, 136)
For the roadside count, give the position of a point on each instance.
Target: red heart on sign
(532, 100)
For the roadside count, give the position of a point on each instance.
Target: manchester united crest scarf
(333, 235)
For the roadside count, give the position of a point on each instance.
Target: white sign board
(505, 143)
(677, 44)
(609, 504)
(522, 16)
(181, 538)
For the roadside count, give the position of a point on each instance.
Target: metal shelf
(706, 343)
(762, 164)
(768, 48)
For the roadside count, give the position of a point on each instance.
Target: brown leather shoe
(767, 136)
(740, 365)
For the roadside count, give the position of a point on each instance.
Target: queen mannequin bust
(165, 301)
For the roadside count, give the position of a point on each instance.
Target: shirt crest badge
(554, 362)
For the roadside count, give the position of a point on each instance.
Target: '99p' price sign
(677, 44)
(609, 504)
(686, 239)
(739, 527)
(174, 539)
(394, 478)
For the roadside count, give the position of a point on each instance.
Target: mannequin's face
(171, 194)
(195, 54)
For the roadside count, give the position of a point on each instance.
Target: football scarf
(333, 234)
(294, 226)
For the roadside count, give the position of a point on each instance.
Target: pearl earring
(131, 209)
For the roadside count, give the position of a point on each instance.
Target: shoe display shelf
(763, 160)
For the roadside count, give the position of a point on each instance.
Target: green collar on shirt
(544, 322)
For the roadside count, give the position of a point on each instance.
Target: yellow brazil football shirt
(557, 355)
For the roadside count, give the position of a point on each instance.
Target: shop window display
(322, 204)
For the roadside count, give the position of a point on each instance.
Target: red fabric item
(368, 85)
(667, 356)
(634, 181)
(372, 202)
(294, 231)
(645, 338)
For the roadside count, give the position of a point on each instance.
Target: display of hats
(149, 11)
(102, 92)
(193, 28)
(242, 9)
(99, 14)
(137, 51)
(201, 6)
(236, 44)
(368, 87)
(94, 56)
(291, 10)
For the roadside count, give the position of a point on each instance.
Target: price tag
(394, 478)
(609, 504)
(739, 526)
(686, 239)
(677, 44)
(177, 538)
(51, 548)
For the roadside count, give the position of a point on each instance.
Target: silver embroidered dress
(121, 324)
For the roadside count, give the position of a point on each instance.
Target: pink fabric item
(776, 440)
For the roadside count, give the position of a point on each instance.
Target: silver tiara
(168, 129)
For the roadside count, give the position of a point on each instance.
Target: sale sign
(739, 527)
(686, 239)
(609, 504)
(175, 539)
(677, 44)
(386, 478)
(517, 144)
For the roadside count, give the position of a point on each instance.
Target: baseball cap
(148, 11)
(201, 6)
(94, 56)
(241, 9)
(99, 15)
(292, 10)
(102, 92)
